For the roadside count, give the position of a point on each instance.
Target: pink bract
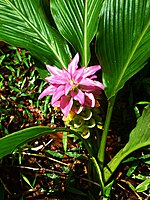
(72, 88)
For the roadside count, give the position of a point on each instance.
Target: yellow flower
(69, 117)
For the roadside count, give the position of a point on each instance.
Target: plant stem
(99, 174)
(89, 150)
(101, 151)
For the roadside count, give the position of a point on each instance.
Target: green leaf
(10, 142)
(130, 185)
(108, 189)
(23, 23)
(2, 58)
(77, 21)
(15, 89)
(123, 41)
(132, 168)
(52, 176)
(131, 159)
(143, 103)
(143, 186)
(74, 155)
(64, 141)
(34, 181)
(139, 177)
(139, 137)
(26, 180)
(55, 154)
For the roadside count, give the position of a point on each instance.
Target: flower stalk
(101, 151)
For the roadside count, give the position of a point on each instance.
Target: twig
(41, 170)
(43, 156)
(5, 187)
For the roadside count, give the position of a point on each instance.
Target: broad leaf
(23, 23)
(123, 41)
(139, 138)
(77, 21)
(10, 142)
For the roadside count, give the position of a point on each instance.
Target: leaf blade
(123, 45)
(23, 136)
(139, 138)
(77, 21)
(23, 24)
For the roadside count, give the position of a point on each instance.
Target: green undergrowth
(20, 86)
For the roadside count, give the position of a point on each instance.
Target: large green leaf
(77, 21)
(10, 142)
(123, 41)
(23, 23)
(139, 138)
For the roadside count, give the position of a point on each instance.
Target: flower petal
(66, 74)
(93, 77)
(56, 80)
(53, 70)
(90, 83)
(80, 97)
(59, 92)
(73, 65)
(68, 87)
(98, 84)
(78, 75)
(56, 104)
(48, 91)
(66, 105)
(91, 70)
(89, 99)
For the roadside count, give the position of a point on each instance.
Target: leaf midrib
(85, 34)
(43, 38)
(129, 58)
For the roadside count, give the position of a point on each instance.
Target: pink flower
(72, 88)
